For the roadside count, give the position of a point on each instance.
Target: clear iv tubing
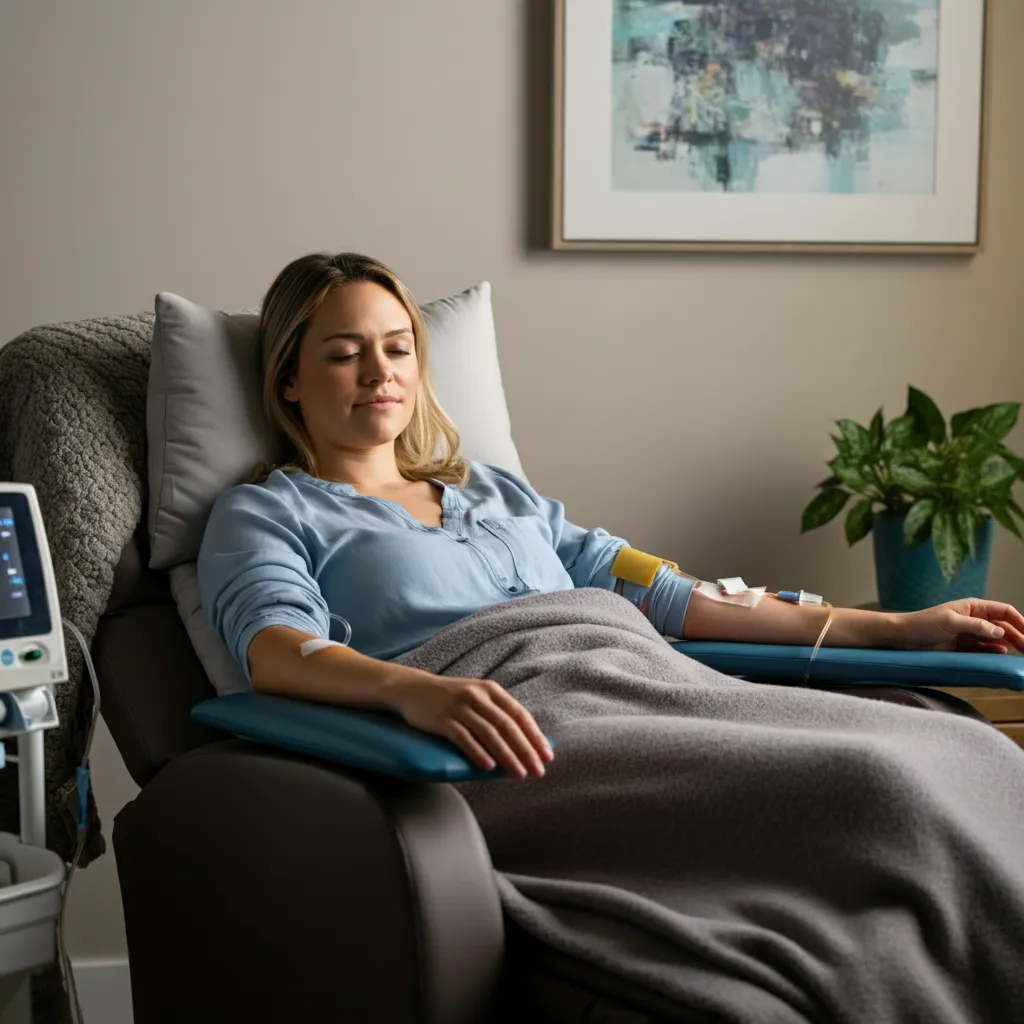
(348, 629)
(318, 643)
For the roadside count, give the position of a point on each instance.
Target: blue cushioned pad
(375, 741)
(383, 743)
(851, 666)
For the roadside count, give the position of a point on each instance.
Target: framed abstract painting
(749, 125)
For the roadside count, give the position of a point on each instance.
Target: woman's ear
(290, 391)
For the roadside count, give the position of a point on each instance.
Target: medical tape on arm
(308, 647)
(750, 597)
(317, 644)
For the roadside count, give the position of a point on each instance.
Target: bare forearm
(333, 675)
(477, 715)
(778, 622)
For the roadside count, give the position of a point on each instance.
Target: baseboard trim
(104, 990)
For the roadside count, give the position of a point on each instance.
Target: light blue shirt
(287, 551)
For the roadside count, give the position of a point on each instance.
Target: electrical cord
(82, 780)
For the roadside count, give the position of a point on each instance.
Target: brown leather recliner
(264, 886)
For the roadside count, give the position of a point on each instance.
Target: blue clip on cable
(82, 779)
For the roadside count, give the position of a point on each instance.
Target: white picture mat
(593, 211)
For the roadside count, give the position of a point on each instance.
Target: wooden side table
(1003, 708)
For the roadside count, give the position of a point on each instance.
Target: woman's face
(358, 372)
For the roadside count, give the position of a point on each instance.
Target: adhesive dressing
(318, 643)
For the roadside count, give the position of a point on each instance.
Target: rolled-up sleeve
(254, 571)
(587, 556)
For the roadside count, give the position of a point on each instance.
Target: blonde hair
(428, 448)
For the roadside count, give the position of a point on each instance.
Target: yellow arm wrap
(638, 567)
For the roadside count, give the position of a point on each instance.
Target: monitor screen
(14, 599)
(24, 605)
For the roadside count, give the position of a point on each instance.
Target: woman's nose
(377, 368)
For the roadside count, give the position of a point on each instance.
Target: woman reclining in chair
(759, 852)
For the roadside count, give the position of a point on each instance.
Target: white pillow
(206, 428)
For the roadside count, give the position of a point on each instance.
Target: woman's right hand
(480, 717)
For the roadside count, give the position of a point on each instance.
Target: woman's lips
(379, 403)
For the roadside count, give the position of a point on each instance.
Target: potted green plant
(927, 495)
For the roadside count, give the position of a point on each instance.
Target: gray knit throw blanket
(757, 854)
(73, 424)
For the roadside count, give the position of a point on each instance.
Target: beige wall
(684, 402)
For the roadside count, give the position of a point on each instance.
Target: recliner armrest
(262, 886)
(369, 740)
(853, 666)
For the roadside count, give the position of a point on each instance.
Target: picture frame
(729, 126)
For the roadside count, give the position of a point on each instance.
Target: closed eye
(348, 357)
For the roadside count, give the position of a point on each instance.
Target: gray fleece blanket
(768, 854)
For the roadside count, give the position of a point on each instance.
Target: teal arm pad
(370, 740)
(850, 666)
(382, 743)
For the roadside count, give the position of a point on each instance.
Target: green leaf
(929, 462)
(848, 473)
(1014, 460)
(1003, 517)
(858, 521)
(911, 480)
(829, 481)
(877, 427)
(996, 473)
(948, 550)
(974, 446)
(857, 438)
(903, 433)
(917, 525)
(823, 508)
(962, 421)
(967, 518)
(967, 476)
(996, 420)
(927, 414)
(842, 448)
(1013, 507)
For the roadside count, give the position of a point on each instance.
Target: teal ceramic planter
(909, 578)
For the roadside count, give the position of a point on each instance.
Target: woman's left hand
(970, 624)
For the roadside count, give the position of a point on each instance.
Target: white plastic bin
(30, 894)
